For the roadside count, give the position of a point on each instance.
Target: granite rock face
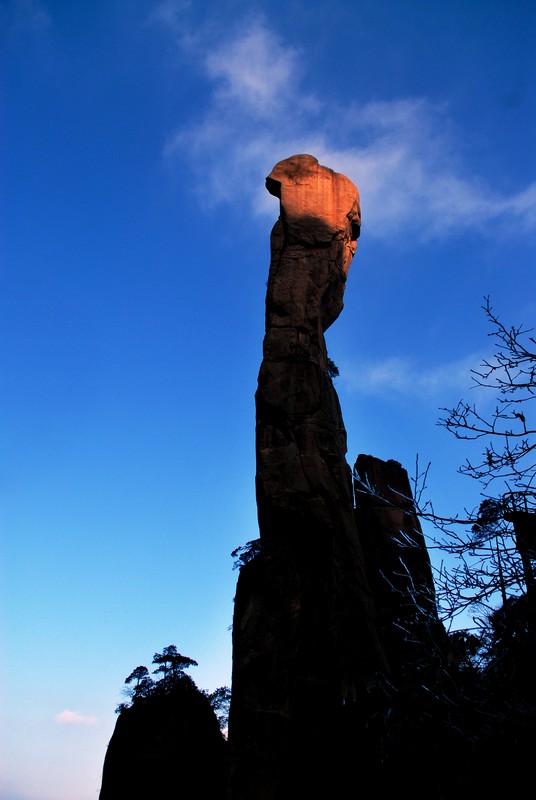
(304, 632)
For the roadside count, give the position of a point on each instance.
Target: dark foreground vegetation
(440, 730)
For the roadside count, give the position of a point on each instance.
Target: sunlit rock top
(317, 204)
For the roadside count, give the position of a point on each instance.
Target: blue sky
(134, 258)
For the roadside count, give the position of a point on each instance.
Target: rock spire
(304, 635)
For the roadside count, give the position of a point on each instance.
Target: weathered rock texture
(304, 634)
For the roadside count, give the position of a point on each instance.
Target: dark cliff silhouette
(167, 741)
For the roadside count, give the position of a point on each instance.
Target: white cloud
(68, 717)
(407, 165)
(254, 74)
(405, 377)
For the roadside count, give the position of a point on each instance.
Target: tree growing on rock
(169, 735)
(143, 683)
(140, 687)
(172, 665)
(220, 700)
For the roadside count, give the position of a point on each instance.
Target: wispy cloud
(254, 74)
(408, 165)
(25, 15)
(405, 377)
(68, 717)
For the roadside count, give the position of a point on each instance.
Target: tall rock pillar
(304, 636)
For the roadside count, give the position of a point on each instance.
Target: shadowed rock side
(304, 639)
(438, 710)
(398, 565)
(422, 707)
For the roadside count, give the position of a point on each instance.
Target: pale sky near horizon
(135, 248)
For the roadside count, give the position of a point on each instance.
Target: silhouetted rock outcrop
(398, 565)
(164, 746)
(421, 707)
(304, 633)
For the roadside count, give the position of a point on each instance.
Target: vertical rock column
(304, 639)
(398, 567)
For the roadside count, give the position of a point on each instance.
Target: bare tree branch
(492, 561)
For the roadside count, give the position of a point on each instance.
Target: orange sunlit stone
(317, 204)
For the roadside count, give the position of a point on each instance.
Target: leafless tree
(493, 547)
(508, 455)
(496, 550)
